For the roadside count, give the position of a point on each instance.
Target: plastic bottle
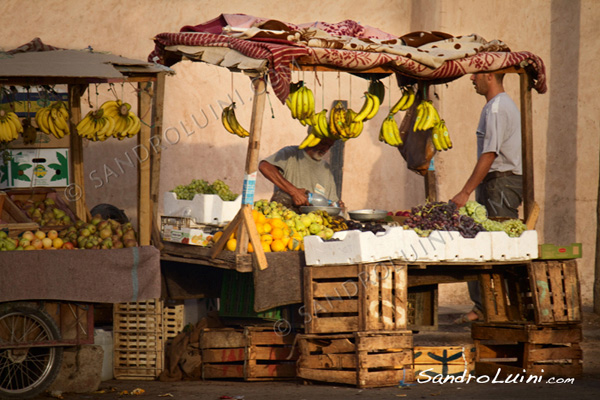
(319, 200)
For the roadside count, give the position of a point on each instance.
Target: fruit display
(301, 102)
(100, 233)
(513, 227)
(113, 119)
(429, 118)
(390, 132)
(200, 186)
(45, 212)
(441, 216)
(54, 120)
(231, 123)
(10, 126)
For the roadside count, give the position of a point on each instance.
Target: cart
(47, 301)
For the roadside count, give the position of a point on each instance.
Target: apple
(68, 246)
(52, 234)
(57, 243)
(46, 243)
(28, 235)
(37, 244)
(24, 242)
(40, 234)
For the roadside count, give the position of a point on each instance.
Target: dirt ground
(586, 387)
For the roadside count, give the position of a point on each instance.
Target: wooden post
(155, 154)
(76, 192)
(144, 206)
(527, 144)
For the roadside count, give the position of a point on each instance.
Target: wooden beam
(76, 190)
(155, 154)
(144, 207)
(527, 144)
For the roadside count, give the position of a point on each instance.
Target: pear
(92, 228)
(130, 243)
(105, 233)
(129, 235)
(117, 244)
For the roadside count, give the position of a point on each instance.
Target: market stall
(47, 297)
(355, 290)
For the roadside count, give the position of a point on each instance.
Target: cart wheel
(27, 371)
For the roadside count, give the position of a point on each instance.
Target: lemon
(277, 233)
(277, 245)
(231, 244)
(266, 247)
(268, 239)
(216, 236)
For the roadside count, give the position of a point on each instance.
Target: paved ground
(587, 387)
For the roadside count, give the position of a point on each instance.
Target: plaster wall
(565, 119)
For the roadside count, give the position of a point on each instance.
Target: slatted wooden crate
(362, 359)
(430, 361)
(349, 298)
(252, 354)
(556, 292)
(538, 350)
(12, 219)
(506, 295)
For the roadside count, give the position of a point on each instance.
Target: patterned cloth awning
(436, 57)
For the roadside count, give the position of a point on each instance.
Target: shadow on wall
(561, 167)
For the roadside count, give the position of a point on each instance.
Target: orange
(231, 244)
(255, 215)
(267, 227)
(277, 222)
(260, 228)
(268, 239)
(266, 247)
(250, 247)
(277, 233)
(277, 245)
(285, 240)
(261, 218)
(295, 242)
(216, 236)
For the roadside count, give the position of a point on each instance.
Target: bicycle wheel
(27, 371)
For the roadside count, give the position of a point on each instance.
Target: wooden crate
(430, 361)
(172, 320)
(527, 349)
(362, 359)
(349, 298)
(556, 292)
(20, 197)
(252, 354)
(422, 308)
(74, 320)
(506, 295)
(12, 219)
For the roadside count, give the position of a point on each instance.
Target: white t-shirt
(499, 131)
(304, 172)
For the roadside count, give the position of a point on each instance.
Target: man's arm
(479, 172)
(272, 173)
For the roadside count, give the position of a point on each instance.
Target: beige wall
(565, 122)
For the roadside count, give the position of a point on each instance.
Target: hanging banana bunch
(389, 132)
(230, 122)
(126, 123)
(54, 120)
(405, 101)
(429, 118)
(10, 126)
(377, 88)
(369, 108)
(301, 102)
(96, 126)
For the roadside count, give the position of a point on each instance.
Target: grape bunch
(440, 215)
(373, 227)
(512, 227)
(200, 186)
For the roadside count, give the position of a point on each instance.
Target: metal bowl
(333, 211)
(367, 215)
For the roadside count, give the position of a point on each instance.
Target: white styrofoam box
(104, 339)
(416, 248)
(528, 245)
(203, 208)
(459, 248)
(506, 248)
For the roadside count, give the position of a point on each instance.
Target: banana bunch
(345, 124)
(405, 101)
(440, 137)
(230, 122)
(368, 109)
(390, 132)
(428, 118)
(377, 88)
(10, 126)
(301, 103)
(96, 126)
(126, 123)
(54, 120)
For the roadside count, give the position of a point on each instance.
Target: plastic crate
(237, 298)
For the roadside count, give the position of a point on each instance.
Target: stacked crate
(355, 325)
(533, 322)
(252, 353)
(140, 332)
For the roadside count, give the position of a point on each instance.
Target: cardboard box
(549, 251)
(35, 168)
(206, 209)
(193, 236)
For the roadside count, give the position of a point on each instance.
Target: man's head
(318, 152)
(488, 84)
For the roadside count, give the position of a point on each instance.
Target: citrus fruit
(231, 244)
(216, 236)
(267, 227)
(268, 239)
(277, 233)
(294, 243)
(266, 247)
(250, 248)
(277, 245)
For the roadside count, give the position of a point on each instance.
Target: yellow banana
(16, 121)
(366, 108)
(432, 118)
(377, 88)
(5, 134)
(310, 103)
(340, 122)
(445, 135)
(137, 125)
(235, 125)
(436, 140)
(375, 107)
(225, 121)
(411, 99)
(51, 125)
(294, 104)
(41, 120)
(401, 102)
(85, 125)
(322, 122)
(315, 141)
(309, 139)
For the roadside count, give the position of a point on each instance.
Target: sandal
(467, 318)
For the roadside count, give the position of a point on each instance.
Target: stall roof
(40, 61)
(260, 45)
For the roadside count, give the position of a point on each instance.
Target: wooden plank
(332, 345)
(556, 336)
(370, 295)
(400, 297)
(77, 188)
(555, 274)
(555, 353)
(531, 219)
(223, 338)
(394, 360)
(329, 361)
(215, 371)
(527, 143)
(156, 154)
(144, 206)
(446, 355)
(334, 271)
(259, 254)
(384, 341)
(572, 291)
(323, 375)
(373, 379)
(338, 306)
(337, 324)
(481, 332)
(309, 317)
(335, 290)
(229, 229)
(541, 292)
(223, 355)
(274, 353)
(486, 351)
(265, 371)
(267, 336)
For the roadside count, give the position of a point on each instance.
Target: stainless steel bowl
(333, 211)
(367, 215)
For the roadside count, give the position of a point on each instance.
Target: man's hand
(299, 196)
(460, 199)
